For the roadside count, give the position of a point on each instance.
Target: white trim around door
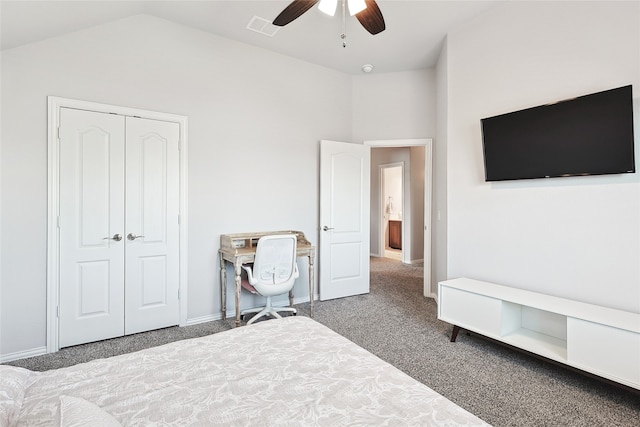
(53, 239)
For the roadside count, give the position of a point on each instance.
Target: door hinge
(58, 133)
(58, 311)
(58, 222)
(178, 293)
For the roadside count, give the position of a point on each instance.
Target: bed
(282, 372)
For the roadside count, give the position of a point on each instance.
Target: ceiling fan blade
(371, 18)
(293, 11)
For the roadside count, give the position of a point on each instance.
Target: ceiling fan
(367, 12)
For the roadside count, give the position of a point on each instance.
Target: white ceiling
(412, 40)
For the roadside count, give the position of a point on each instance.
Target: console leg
(454, 333)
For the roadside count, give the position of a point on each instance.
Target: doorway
(377, 206)
(392, 197)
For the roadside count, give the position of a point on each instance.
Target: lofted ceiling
(414, 34)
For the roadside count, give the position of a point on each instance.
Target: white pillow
(77, 412)
(13, 382)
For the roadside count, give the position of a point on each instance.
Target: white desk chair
(274, 272)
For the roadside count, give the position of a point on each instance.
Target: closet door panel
(91, 221)
(152, 228)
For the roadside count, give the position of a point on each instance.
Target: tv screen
(587, 135)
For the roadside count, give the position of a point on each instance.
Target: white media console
(595, 339)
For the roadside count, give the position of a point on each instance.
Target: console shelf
(595, 339)
(544, 345)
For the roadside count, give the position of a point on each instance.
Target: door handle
(132, 236)
(115, 237)
(325, 228)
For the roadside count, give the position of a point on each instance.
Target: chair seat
(248, 286)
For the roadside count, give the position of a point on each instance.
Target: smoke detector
(367, 68)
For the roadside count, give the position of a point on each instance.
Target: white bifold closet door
(118, 224)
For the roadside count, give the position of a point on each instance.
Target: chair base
(266, 310)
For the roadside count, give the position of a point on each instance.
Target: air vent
(262, 26)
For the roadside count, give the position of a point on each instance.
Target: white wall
(254, 126)
(394, 105)
(573, 237)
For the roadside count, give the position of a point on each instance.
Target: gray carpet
(501, 385)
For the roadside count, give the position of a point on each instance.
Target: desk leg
(311, 287)
(238, 267)
(223, 287)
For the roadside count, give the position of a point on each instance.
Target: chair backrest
(275, 260)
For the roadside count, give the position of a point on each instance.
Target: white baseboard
(304, 299)
(39, 351)
(231, 314)
(202, 319)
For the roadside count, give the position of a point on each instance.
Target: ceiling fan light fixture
(328, 6)
(367, 12)
(356, 6)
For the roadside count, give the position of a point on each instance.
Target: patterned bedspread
(287, 372)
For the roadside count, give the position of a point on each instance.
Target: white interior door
(344, 219)
(152, 227)
(91, 226)
(118, 225)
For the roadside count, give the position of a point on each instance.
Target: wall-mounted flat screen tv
(587, 135)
